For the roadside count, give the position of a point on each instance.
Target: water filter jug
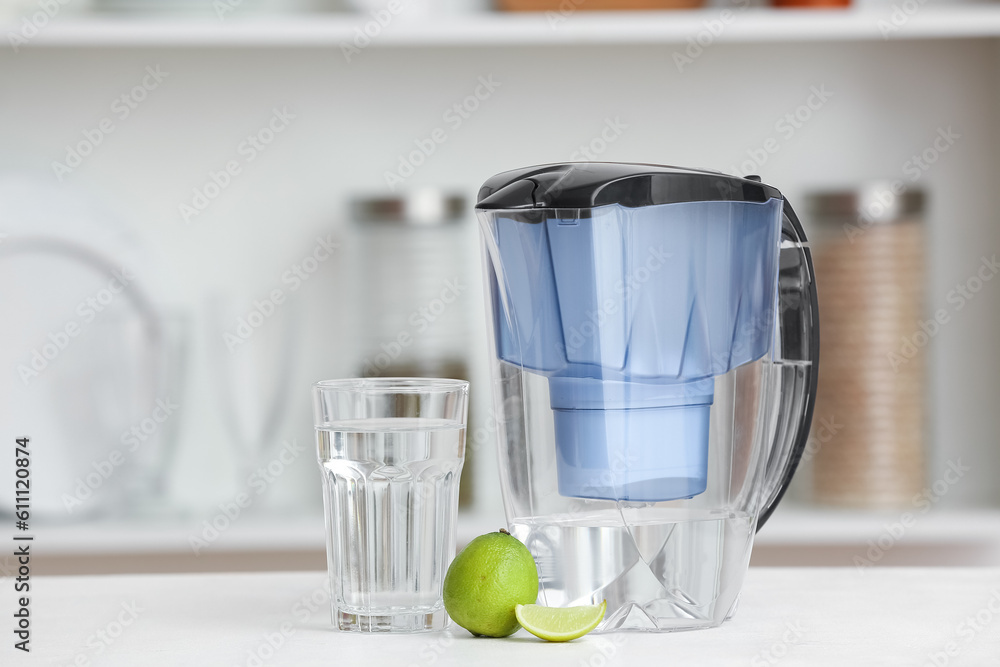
(655, 339)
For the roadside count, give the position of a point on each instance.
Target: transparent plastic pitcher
(655, 338)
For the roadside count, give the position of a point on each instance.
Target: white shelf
(789, 526)
(171, 536)
(496, 29)
(792, 525)
(165, 536)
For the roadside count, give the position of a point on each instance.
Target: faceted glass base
(401, 622)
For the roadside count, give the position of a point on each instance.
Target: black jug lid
(576, 185)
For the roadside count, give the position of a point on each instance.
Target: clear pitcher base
(659, 570)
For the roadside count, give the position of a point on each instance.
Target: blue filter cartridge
(631, 441)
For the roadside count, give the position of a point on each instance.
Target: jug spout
(632, 441)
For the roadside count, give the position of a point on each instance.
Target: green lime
(484, 583)
(559, 624)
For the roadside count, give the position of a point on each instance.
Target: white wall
(353, 120)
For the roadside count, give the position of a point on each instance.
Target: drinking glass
(391, 452)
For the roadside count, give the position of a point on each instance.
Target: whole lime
(491, 576)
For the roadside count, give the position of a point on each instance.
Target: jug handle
(796, 357)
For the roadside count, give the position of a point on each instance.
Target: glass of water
(391, 452)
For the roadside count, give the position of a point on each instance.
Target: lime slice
(557, 624)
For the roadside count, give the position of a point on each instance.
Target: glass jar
(867, 440)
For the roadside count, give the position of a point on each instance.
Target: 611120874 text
(22, 544)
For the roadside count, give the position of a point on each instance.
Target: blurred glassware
(85, 363)
(220, 9)
(595, 5)
(416, 9)
(147, 468)
(869, 256)
(253, 376)
(84, 379)
(413, 254)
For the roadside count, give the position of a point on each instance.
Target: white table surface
(802, 616)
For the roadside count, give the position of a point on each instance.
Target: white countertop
(799, 616)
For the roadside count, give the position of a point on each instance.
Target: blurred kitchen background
(207, 206)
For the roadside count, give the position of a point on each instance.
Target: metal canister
(869, 258)
(413, 277)
(412, 270)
